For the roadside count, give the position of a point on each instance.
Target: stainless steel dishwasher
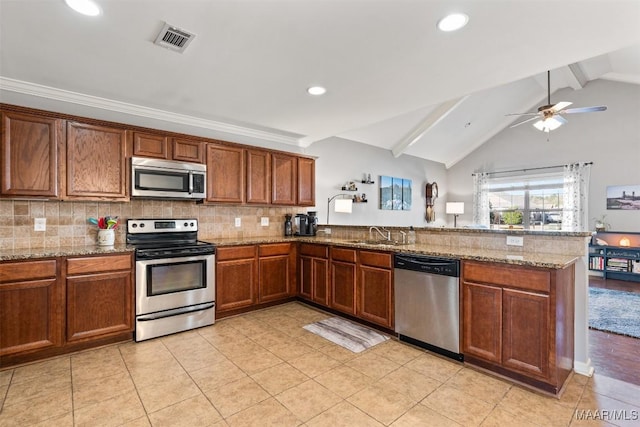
(427, 303)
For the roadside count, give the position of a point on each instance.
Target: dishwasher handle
(431, 265)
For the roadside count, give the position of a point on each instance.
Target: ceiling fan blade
(523, 122)
(524, 114)
(584, 109)
(560, 105)
(560, 119)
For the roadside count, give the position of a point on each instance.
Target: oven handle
(176, 312)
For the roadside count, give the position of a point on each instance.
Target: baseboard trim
(583, 368)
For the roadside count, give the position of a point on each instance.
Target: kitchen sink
(376, 242)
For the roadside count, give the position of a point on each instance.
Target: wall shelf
(615, 261)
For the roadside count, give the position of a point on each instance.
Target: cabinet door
(274, 282)
(151, 145)
(305, 272)
(29, 155)
(321, 281)
(95, 162)
(482, 321)
(225, 174)
(306, 182)
(235, 284)
(526, 342)
(375, 301)
(188, 150)
(343, 286)
(284, 177)
(258, 177)
(99, 305)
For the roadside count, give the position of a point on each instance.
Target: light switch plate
(40, 224)
(515, 240)
(238, 222)
(264, 221)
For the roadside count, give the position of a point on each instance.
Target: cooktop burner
(166, 238)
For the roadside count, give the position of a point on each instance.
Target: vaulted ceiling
(393, 80)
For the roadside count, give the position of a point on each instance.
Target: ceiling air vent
(174, 38)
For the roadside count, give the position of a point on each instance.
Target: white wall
(611, 139)
(341, 160)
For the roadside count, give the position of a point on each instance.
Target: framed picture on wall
(395, 193)
(623, 197)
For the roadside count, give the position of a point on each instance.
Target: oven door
(171, 283)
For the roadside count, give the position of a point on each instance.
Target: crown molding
(42, 91)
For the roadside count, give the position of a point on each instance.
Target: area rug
(614, 311)
(347, 334)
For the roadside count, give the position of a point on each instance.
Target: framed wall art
(395, 193)
(623, 197)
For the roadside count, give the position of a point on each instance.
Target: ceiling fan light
(548, 124)
(85, 7)
(316, 90)
(453, 22)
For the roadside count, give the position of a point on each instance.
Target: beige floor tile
(236, 396)
(65, 420)
(572, 392)
(343, 414)
(151, 348)
(138, 422)
(308, 399)
(501, 418)
(271, 338)
(397, 352)
(200, 358)
(410, 383)
(279, 378)
(156, 373)
(344, 381)
(33, 411)
(422, 416)
(266, 413)
(461, 407)
(312, 340)
(111, 412)
(290, 350)
(196, 411)
(339, 353)
(314, 363)
(172, 390)
(434, 367)
(381, 403)
(260, 360)
(249, 327)
(94, 391)
(37, 388)
(100, 363)
(482, 386)
(5, 377)
(293, 328)
(58, 367)
(216, 375)
(372, 365)
(239, 348)
(535, 408)
(616, 389)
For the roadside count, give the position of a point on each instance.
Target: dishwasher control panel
(433, 265)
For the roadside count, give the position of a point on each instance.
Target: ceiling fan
(550, 116)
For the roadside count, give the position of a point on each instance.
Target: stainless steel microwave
(155, 178)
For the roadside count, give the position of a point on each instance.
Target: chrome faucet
(404, 237)
(387, 237)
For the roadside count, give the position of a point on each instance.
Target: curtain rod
(532, 169)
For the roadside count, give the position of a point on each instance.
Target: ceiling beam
(575, 76)
(433, 118)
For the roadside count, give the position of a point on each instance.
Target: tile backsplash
(67, 223)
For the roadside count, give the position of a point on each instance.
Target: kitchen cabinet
(161, 146)
(31, 307)
(375, 288)
(313, 271)
(225, 173)
(306, 182)
(236, 276)
(284, 179)
(29, 153)
(187, 150)
(518, 321)
(95, 162)
(276, 267)
(100, 296)
(258, 176)
(343, 279)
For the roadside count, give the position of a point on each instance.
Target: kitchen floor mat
(349, 335)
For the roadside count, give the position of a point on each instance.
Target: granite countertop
(23, 254)
(515, 258)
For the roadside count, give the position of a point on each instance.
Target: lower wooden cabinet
(518, 321)
(375, 288)
(276, 266)
(236, 274)
(313, 270)
(100, 296)
(343, 279)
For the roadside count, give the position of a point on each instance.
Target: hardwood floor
(613, 355)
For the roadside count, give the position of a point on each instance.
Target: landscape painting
(623, 197)
(395, 193)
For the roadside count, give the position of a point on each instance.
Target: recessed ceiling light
(85, 7)
(453, 22)
(316, 90)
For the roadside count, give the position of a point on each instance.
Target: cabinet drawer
(235, 252)
(274, 249)
(507, 275)
(318, 251)
(342, 254)
(375, 259)
(27, 270)
(97, 264)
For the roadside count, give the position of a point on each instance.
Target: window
(526, 202)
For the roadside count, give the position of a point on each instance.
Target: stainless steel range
(175, 276)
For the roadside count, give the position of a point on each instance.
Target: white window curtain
(481, 211)
(575, 215)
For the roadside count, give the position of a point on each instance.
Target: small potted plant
(601, 224)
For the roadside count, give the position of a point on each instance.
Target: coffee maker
(306, 224)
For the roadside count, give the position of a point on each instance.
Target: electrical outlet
(264, 221)
(238, 222)
(327, 230)
(515, 240)
(40, 224)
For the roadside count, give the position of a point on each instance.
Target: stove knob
(186, 224)
(134, 225)
(192, 224)
(142, 225)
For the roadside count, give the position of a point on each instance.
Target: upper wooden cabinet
(306, 181)
(225, 173)
(30, 155)
(160, 146)
(284, 179)
(258, 176)
(96, 167)
(188, 150)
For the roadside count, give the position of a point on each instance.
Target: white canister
(106, 237)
